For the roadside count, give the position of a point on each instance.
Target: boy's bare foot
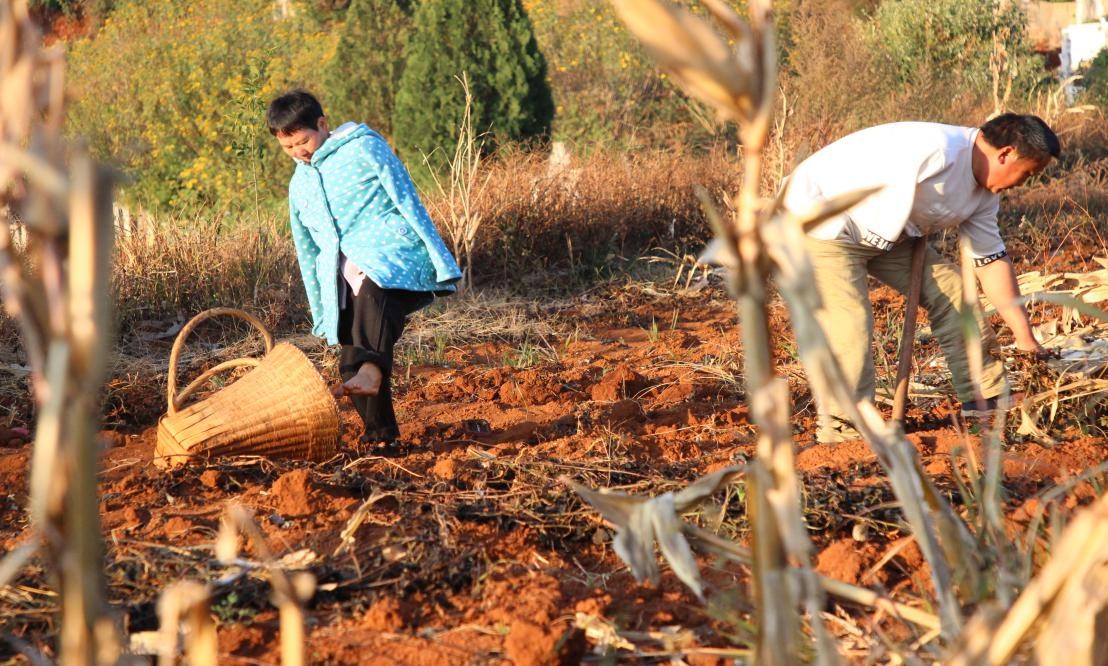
(366, 382)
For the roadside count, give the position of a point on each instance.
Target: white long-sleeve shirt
(926, 172)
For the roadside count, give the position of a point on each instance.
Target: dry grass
(540, 224)
(171, 269)
(486, 316)
(541, 233)
(536, 225)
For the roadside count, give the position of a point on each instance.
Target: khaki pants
(841, 269)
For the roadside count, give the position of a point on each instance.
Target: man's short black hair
(1029, 135)
(295, 110)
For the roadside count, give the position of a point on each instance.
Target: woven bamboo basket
(282, 408)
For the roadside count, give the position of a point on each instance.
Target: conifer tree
(493, 42)
(361, 80)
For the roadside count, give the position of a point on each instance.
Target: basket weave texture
(282, 408)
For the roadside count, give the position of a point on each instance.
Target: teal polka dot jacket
(356, 197)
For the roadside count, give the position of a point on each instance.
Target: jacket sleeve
(307, 253)
(398, 185)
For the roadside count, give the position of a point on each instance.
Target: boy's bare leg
(367, 381)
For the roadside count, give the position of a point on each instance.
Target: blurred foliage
(1095, 81)
(849, 65)
(493, 43)
(360, 81)
(67, 7)
(175, 93)
(607, 92)
(937, 39)
(48, 10)
(831, 82)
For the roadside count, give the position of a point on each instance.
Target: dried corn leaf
(671, 541)
(694, 54)
(1079, 558)
(641, 522)
(634, 543)
(601, 632)
(704, 487)
(822, 210)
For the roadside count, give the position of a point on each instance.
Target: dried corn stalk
(737, 77)
(55, 283)
(730, 65)
(1065, 601)
(290, 591)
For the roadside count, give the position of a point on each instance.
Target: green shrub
(492, 42)
(175, 94)
(361, 79)
(942, 39)
(847, 65)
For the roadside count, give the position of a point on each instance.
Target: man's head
(1016, 148)
(296, 119)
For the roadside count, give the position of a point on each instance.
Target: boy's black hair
(1029, 135)
(295, 110)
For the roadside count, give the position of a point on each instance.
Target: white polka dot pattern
(356, 197)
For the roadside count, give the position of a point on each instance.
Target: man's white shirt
(926, 174)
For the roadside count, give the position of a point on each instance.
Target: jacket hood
(346, 133)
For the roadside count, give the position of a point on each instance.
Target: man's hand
(1038, 355)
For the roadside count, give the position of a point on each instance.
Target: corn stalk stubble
(56, 285)
(739, 83)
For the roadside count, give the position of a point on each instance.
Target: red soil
(477, 553)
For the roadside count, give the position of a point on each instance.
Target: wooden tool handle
(907, 341)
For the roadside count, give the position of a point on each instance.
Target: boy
(368, 252)
(933, 177)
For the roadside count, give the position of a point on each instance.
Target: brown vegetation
(589, 361)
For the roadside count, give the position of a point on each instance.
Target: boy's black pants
(369, 326)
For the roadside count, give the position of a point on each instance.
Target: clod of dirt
(176, 526)
(841, 560)
(111, 439)
(443, 468)
(528, 644)
(292, 493)
(387, 614)
(675, 394)
(529, 387)
(211, 478)
(622, 382)
(133, 516)
(619, 412)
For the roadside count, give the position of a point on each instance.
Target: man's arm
(998, 281)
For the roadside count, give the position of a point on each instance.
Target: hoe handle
(904, 362)
(177, 401)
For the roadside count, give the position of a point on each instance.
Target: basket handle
(176, 401)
